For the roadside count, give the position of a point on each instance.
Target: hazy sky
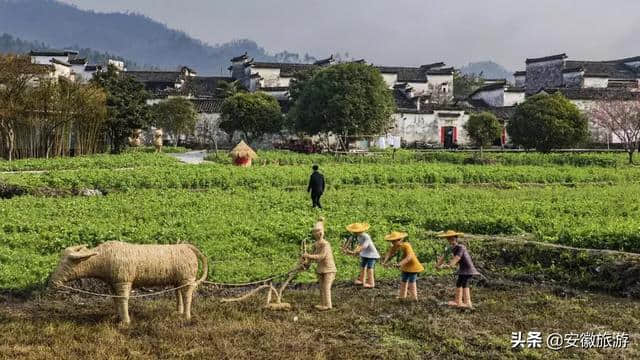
(407, 32)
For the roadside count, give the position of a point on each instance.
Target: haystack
(242, 155)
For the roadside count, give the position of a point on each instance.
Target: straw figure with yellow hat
(466, 269)
(367, 251)
(409, 265)
(242, 154)
(326, 269)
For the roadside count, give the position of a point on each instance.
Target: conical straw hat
(396, 235)
(243, 150)
(450, 233)
(357, 227)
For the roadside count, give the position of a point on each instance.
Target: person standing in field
(368, 254)
(316, 187)
(326, 269)
(466, 269)
(409, 265)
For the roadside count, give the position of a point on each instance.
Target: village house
(64, 64)
(584, 83)
(424, 95)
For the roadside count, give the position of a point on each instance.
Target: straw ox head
(71, 261)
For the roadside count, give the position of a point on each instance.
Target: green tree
(126, 106)
(465, 84)
(345, 99)
(227, 89)
(545, 122)
(483, 129)
(177, 116)
(252, 114)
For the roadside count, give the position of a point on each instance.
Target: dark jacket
(316, 183)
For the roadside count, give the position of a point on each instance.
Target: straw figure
(124, 266)
(157, 140)
(135, 140)
(326, 269)
(367, 251)
(242, 155)
(466, 269)
(409, 265)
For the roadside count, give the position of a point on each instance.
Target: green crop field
(250, 222)
(259, 215)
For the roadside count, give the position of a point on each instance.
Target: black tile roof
(274, 88)
(613, 69)
(573, 69)
(489, 87)
(240, 58)
(56, 61)
(402, 102)
(78, 61)
(405, 74)
(503, 113)
(92, 67)
(208, 106)
(514, 89)
(155, 76)
(286, 69)
(52, 52)
(203, 86)
(433, 65)
(547, 58)
(520, 73)
(326, 61)
(596, 93)
(445, 71)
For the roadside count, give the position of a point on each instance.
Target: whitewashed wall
(46, 60)
(596, 132)
(513, 98)
(419, 87)
(436, 81)
(426, 127)
(271, 77)
(284, 81)
(492, 97)
(595, 82)
(390, 79)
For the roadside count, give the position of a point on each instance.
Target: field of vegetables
(250, 222)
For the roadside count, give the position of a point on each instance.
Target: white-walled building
(65, 64)
(583, 82)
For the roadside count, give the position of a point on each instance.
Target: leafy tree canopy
(252, 114)
(126, 106)
(545, 122)
(483, 129)
(176, 116)
(349, 98)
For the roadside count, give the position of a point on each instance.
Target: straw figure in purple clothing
(466, 269)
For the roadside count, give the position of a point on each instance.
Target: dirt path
(191, 157)
(365, 324)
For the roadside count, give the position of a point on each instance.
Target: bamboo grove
(41, 116)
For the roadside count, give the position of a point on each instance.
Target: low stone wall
(599, 270)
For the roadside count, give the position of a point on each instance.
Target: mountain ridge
(139, 38)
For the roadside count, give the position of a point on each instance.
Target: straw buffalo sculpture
(124, 266)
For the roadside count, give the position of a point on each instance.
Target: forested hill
(488, 70)
(131, 36)
(13, 45)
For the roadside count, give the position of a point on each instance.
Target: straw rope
(121, 296)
